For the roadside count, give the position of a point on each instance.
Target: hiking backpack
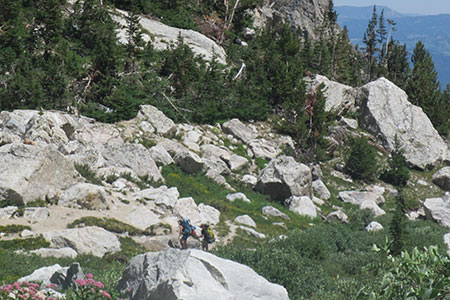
(210, 234)
(187, 227)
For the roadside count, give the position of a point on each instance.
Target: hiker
(208, 236)
(186, 230)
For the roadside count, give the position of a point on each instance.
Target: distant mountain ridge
(431, 30)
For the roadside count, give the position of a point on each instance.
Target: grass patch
(88, 174)
(25, 244)
(261, 162)
(109, 224)
(37, 203)
(14, 228)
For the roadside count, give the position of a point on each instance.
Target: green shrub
(37, 203)
(397, 173)
(25, 244)
(88, 174)
(361, 161)
(14, 228)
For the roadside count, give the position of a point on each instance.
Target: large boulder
(264, 149)
(442, 178)
(133, 156)
(193, 274)
(189, 162)
(302, 205)
(438, 209)
(283, 177)
(386, 113)
(271, 211)
(31, 172)
(84, 195)
(364, 199)
(339, 97)
(162, 37)
(87, 240)
(162, 124)
(238, 130)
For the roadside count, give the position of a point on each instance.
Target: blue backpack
(187, 227)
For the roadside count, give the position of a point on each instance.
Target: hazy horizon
(430, 7)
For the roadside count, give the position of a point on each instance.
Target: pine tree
(397, 173)
(370, 42)
(398, 69)
(397, 226)
(361, 161)
(423, 87)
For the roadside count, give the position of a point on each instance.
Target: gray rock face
(162, 36)
(302, 205)
(321, 190)
(264, 149)
(374, 226)
(36, 214)
(160, 155)
(442, 178)
(42, 274)
(438, 209)
(271, 211)
(84, 195)
(209, 214)
(238, 130)
(385, 112)
(339, 97)
(30, 172)
(284, 177)
(189, 162)
(133, 156)
(163, 125)
(88, 240)
(193, 274)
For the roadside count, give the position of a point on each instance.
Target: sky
(423, 7)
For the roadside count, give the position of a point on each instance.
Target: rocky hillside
(58, 170)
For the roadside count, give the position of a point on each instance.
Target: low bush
(88, 174)
(24, 244)
(109, 224)
(14, 228)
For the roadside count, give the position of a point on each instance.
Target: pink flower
(99, 284)
(105, 294)
(89, 276)
(51, 285)
(80, 282)
(90, 281)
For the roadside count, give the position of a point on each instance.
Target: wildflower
(89, 276)
(105, 294)
(80, 282)
(99, 284)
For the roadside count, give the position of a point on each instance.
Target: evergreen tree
(397, 173)
(398, 69)
(397, 226)
(361, 161)
(423, 87)
(381, 34)
(370, 42)
(442, 113)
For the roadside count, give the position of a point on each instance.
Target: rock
(321, 190)
(283, 177)
(302, 205)
(357, 197)
(42, 274)
(236, 162)
(217, 165)
(36, 214)
(135, 157)
(187, 209)
(340, 98)
(271, 211)
(316, 172)
(88, 240)
(233, 197)
(385, 112)
(57, 253)
(373, 206)
(173, 147)
(374, 226)
(65, 277)
(30, 172)
(245, 220)
(161, 195)
(438, 209)
(338, 215)
(214, 175)
(84, 195)
(26, 233)
(209, 151)
(238, 130)
(416, 214)
(161, 157)
(351, 123)
(7, 212)
(447, 241)
(209, 214)
(253, 232)
(141, 217)
(162, 37)
(189, 162)
(317, 201)
(163, 125)
(442, 178)
(193, 274)
(249, 179)
(264, 149)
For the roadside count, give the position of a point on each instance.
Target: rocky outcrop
(321, 190)
(385, 112)
(302, 205)
(442, 178)
(438, 209)
(283, 177)
(340, 98)
(179, 274)
(189, 162)
(364, 199)
(163, 37)
(88, 240)
(238, 130)
(84, 195)
(299, 14)
(162, 125)
(31, 172)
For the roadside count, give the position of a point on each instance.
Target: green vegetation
(88, 174)
(109, 224)
(24, 244)
(361, 161)
(14, 228)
